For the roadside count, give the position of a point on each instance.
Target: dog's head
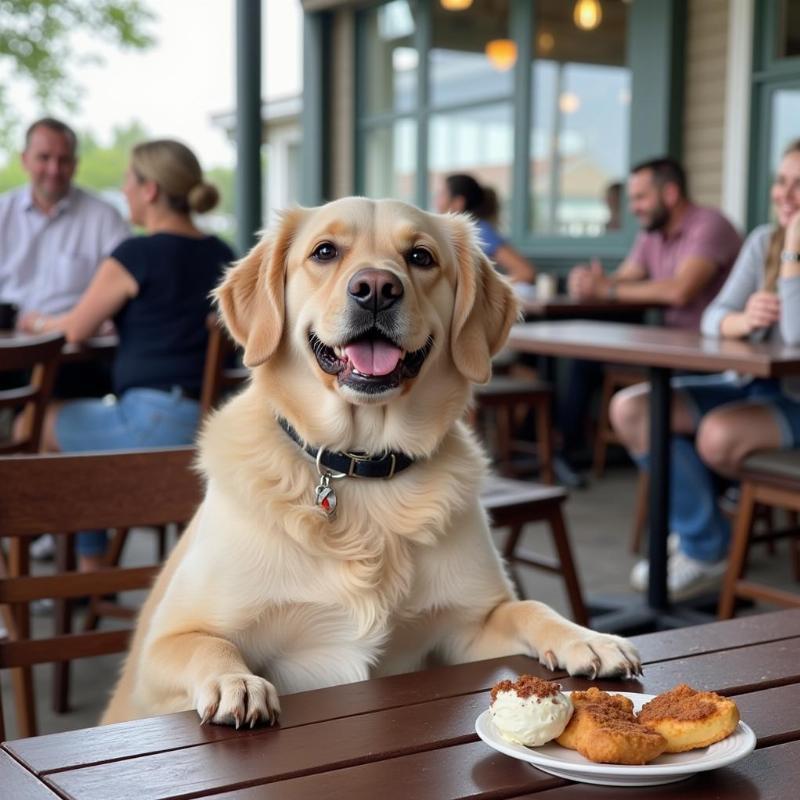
(369, 299)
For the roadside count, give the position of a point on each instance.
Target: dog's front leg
(212, 674)
(527, 626)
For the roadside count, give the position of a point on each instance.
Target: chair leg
(561, 540)
(503, 432)
(600, 438)
(22, 677)
(544, 438)
(738, 552)
(794, 544)
(639, 512)
(113, 555)
(65, 562)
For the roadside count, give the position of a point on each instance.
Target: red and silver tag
(324, 495)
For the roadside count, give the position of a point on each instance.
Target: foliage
(36, 44)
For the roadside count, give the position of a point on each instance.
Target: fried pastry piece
(689, 719)
(603, 728)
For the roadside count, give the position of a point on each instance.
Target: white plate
(669, 767)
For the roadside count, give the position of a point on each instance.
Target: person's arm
(514, 264)
(691, 277)
(739, 308)
(789, 284)
(111, 287)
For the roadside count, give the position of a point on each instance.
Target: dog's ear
(485, 307)
(251, 297)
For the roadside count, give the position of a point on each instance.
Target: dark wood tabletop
(623, 343)
(413, 737)
(565, 307)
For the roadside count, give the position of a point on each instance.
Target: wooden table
(565, 307)
(412, 736)
(661, 350)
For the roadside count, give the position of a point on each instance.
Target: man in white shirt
(53, 235)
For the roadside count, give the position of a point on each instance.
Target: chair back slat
(29, 652)
(76, 584)
(97, 490)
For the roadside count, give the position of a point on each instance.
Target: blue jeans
(140, 418)
(694, 513)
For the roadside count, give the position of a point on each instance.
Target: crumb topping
(527, 686)
(682, 703)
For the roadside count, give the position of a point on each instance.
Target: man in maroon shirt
(681, 257)
(680, 260)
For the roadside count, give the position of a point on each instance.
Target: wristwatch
(790, 255)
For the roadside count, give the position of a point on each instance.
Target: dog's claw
(550, 660)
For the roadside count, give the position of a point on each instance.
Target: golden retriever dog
(341, 535)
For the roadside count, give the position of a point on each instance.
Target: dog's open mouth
(370, 363)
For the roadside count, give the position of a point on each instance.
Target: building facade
(549, 102)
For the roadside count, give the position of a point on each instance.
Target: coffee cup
(8, 316)
(546, 286)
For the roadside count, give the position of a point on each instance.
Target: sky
(176, 86)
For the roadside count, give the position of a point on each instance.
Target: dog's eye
(325, 252)
(420, 257)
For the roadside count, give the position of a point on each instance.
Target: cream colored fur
(264, 594)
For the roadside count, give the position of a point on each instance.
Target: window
(788, 38)
(513, 92)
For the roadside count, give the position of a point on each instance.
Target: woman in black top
(156, 289)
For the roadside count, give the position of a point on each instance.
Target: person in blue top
(156, 289)
(463, 193)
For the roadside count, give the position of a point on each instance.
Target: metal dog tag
(324, 495)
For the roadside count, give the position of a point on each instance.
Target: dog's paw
(236, 699)
(594, 655)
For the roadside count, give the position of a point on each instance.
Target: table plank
(622, 343)
(769, 774)
(463, 771)
(17, 783)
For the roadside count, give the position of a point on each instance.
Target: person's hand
(587, 282)
(761, 310)
(32, 322)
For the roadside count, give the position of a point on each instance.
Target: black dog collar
(358, 465)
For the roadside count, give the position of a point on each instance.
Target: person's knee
(717, 443)
(628, 414)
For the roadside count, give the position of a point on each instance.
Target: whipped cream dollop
(529, 711)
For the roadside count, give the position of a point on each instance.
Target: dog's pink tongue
(373, 357)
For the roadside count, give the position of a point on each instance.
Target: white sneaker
(641, 571)
(43, 548)
(686, 577)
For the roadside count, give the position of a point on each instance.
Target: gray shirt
(47, 261)
(746, 278)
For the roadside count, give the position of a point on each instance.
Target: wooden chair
(504, 395)
(67, 493)
(770, 478)
(38, 357)
(513, 504)
(217, 375)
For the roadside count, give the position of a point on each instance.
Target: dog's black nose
(375, 289)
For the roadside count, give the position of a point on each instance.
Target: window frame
(656, 59)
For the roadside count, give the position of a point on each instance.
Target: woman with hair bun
(156, 289)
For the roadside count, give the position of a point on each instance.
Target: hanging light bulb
(545, 41)
(502, 53)
(587, 14)
(456, 5)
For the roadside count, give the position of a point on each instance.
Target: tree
(36, 44)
